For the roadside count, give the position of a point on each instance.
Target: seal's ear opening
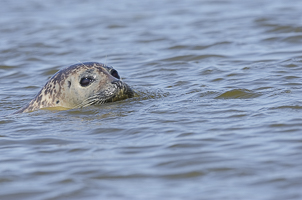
(114, 73)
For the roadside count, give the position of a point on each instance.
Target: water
(218, 111)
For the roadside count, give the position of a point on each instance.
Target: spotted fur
(63, 90)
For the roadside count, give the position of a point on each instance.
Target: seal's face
(94, 84)
(81, 85)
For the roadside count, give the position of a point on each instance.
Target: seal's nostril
(114, 73)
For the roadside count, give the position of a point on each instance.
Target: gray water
(217, 113)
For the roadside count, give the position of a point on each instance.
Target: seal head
(80, 85)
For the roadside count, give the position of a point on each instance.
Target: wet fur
(63, 88)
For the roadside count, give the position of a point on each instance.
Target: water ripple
(216, 114)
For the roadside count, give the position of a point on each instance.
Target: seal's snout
(118, 83)
(123, 89)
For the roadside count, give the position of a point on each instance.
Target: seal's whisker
(106, 60)
(82, 63)
(94, 100)
(87, 102)
(78, 86)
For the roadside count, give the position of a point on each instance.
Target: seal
(78, 86)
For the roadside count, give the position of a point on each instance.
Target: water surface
(218, 111)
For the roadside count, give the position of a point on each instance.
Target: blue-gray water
(218, 111)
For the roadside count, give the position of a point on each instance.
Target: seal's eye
(114, 74)
(86, 81)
